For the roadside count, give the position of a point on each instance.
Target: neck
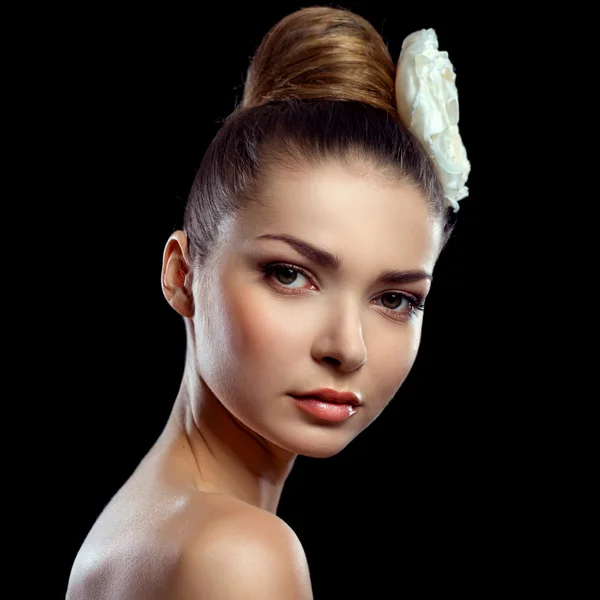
(223, 454)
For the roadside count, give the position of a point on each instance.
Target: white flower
(428, 105)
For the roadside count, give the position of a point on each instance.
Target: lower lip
(329, 411)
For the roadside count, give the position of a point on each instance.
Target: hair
(320, 88)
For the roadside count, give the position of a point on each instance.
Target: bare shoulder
(247, 553)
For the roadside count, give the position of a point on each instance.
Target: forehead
(352, 212)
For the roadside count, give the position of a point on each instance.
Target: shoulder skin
(253, 554)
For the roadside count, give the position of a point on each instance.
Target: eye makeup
(411, 303)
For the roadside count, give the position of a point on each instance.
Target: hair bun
(322, 52)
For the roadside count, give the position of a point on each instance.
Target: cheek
(267, 329)
(392, 359)
(246, 339)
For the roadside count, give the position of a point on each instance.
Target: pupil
(291, 272)
(397, 303)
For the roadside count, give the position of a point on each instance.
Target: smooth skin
(202, 504)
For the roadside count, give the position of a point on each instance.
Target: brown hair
(320, 88)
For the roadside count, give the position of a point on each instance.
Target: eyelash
(416, 303)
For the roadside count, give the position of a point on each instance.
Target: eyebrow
(333, 262)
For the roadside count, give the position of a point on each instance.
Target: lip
(330, 395)
(335, 412)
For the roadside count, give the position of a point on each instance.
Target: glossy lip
(329, 395)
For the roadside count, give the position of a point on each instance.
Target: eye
(397, 300)
(403, 306)
(408, 305)
(285, 275)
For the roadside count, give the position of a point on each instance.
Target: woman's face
(264, 332)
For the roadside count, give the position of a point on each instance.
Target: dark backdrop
(429, 494)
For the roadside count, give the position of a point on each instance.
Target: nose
(341, 339)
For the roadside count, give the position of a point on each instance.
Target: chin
(322, 444)
(322, 452)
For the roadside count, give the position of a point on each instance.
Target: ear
(175, 269)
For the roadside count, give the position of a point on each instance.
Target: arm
(246, 556)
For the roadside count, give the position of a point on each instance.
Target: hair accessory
(427, 102)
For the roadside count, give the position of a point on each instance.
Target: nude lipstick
(327, 404)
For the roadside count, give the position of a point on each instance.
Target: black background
(434, 494)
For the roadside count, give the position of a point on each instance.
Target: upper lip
(329, 395)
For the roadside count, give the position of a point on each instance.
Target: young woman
(310, 237)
